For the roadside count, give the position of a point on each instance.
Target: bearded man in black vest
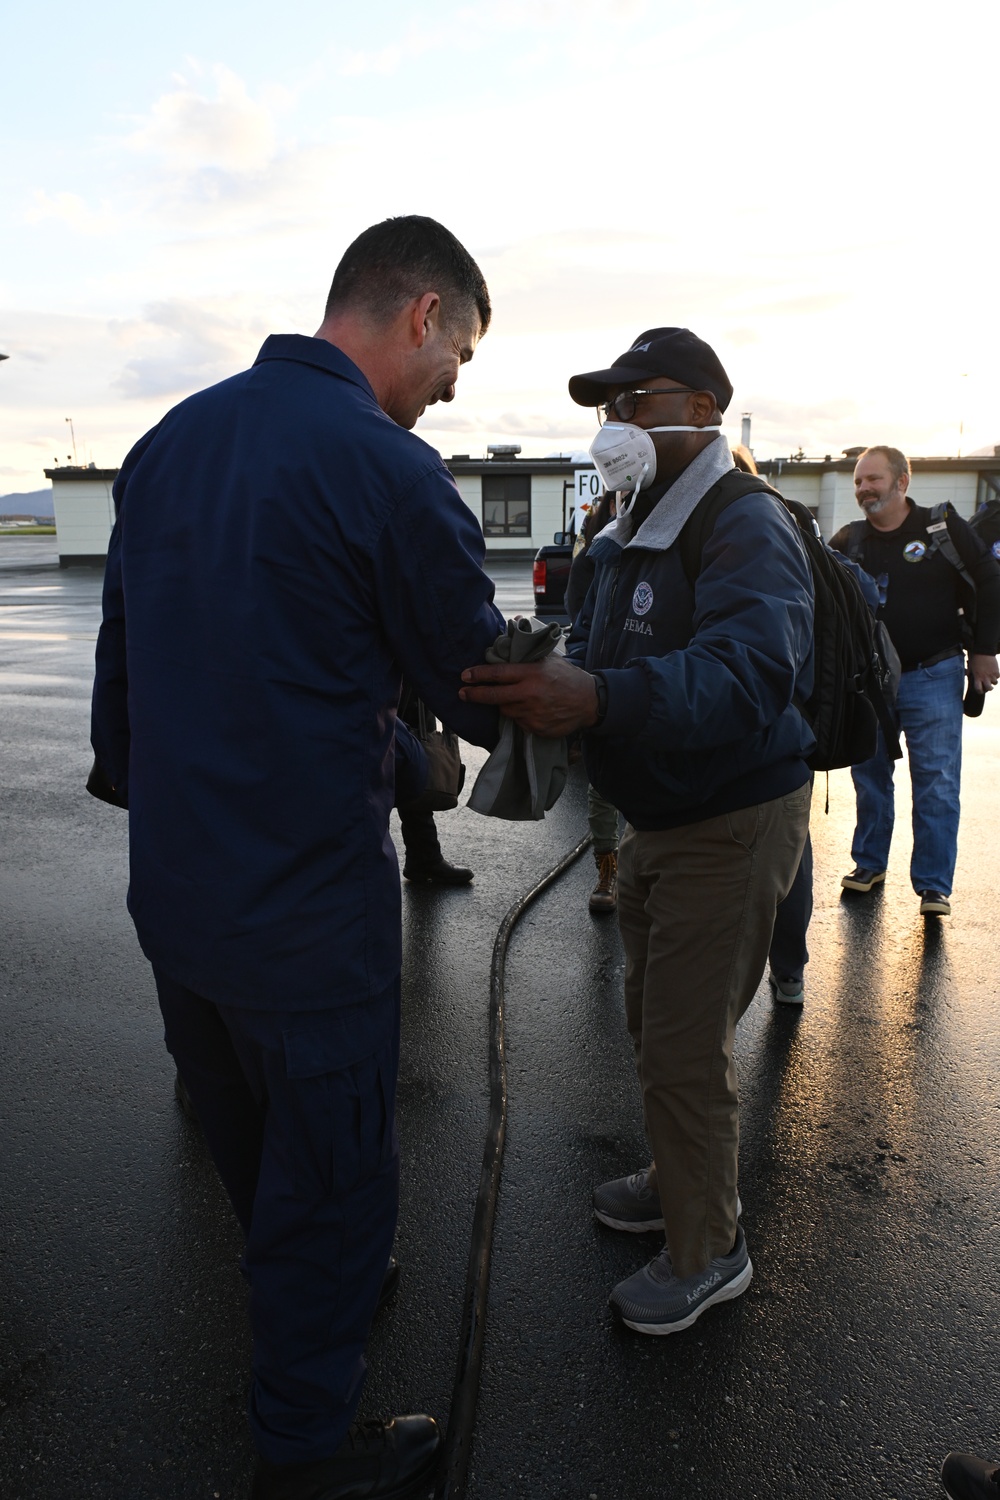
(928, 568)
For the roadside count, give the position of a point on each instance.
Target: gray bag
(445, 771)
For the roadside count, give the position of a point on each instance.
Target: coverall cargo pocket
(341, 1121)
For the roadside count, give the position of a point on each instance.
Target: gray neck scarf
(663, 526)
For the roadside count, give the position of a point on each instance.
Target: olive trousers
(696, 909)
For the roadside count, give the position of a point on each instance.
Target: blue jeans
(788, 953)
(929, 714)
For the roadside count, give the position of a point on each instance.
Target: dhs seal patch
(995, 549)
(642, 599)
(914, 551)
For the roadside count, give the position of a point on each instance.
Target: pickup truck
(550, 575)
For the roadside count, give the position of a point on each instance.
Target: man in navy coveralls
(285, 550)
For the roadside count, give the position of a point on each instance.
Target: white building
(522, 502)
(84, 510)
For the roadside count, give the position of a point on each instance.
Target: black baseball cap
(676, 353)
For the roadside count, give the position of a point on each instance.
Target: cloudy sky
(809, 184)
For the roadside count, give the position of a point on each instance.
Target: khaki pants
(696, 909)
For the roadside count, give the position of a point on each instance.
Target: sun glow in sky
(807, 185)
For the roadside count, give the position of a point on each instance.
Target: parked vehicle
(549, 577)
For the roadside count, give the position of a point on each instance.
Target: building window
(507, 505)
(988, 488)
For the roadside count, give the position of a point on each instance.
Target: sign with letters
(588, 487)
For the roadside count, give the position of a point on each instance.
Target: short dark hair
(897, 460)
(402, 258)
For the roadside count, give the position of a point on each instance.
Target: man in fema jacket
(285, 550)
(687, 703)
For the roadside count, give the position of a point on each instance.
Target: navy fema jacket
(700, 679)
(283, 552)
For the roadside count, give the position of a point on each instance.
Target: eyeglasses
(622, 407)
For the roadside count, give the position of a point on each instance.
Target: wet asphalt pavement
(865, 1347)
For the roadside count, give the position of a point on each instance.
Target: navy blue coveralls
(283, 553)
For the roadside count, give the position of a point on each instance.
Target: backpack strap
(855, 541)
(940, 541)
(701, 522)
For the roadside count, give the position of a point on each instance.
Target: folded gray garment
(525, 774)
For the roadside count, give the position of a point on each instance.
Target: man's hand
(984, 671)
(548, 697)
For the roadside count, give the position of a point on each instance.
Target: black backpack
(853, 681)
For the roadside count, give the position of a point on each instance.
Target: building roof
(462, 463)
(64, 472)
(974, 464)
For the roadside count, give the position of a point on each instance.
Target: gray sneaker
(786, 991)
(629, 1203)
(656, 1301)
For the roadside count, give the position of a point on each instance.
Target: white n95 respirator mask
(625, 458)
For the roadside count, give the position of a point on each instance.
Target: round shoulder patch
(914, 551)
(642, 599)
(995, 549)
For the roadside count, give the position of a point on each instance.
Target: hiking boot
(786, 991)
(604, 896)
(933, 904)
(376, 1461)
(968, 1478)
(629, 1203)
(656, 1301)
(861, 879)
(438, 873)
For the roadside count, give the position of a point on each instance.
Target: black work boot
(424, 863)
(441, 873)
(376, 1461)
(966, 1477)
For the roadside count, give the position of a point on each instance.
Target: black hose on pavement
(465, 1395)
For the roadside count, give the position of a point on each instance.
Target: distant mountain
(34, 503)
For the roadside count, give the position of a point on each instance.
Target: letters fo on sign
(588, 486)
